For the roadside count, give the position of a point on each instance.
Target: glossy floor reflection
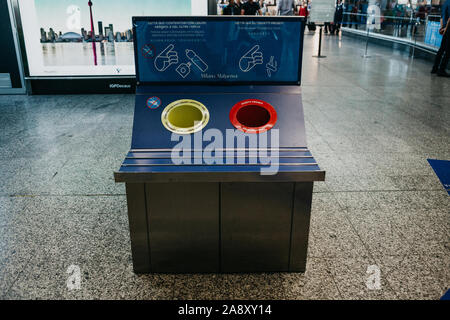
(371, 124)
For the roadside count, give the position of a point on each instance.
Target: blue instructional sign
(432, 36)
(216, 49)
(442, 170)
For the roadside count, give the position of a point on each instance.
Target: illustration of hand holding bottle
(249, 60)
(199, 63)
(185, 68)
(166, 58)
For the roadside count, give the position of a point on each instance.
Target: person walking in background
(232, 9)
(338, 15)
(220, 6)
(303, 11)
(285, 7)
(443, 55)
(327, 27)
(354, 15)
(348, 7)
(250, 8)
(311, 25)
(239, 4)
(263, 6)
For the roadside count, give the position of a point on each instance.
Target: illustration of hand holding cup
(166, 58)
(249, 60)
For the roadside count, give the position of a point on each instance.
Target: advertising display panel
(89, 38)
(432, 35)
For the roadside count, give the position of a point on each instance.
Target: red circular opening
(253, 116)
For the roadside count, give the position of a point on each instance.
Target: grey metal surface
(16, 26)
(137, 218)
(295, 164)
(255, 226)
(219, 227)
(218, 177)
(5, 81)
(289, 123)
(183, 223)
(301, 213)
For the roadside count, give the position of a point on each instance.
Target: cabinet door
(183, 223)
(256, 226)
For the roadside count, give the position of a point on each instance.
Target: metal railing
(405, 29)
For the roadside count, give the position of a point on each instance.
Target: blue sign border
(220, 18)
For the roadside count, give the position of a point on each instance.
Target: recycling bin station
(219, 177)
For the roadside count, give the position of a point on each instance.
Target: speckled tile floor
(371, 124)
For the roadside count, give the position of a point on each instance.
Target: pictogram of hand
(251, 59)
(166, 58)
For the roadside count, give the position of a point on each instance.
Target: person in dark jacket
(354, 16)
(338, 15)
(232, 9)
(251, 8)
(443, 55)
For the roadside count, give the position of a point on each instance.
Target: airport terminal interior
(373, 117)
(371, 123)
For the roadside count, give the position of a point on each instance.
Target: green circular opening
(184, 116)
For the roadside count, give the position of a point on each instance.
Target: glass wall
(411, 20)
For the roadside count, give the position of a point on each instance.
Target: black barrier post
(414, 31)
(320, 44)
(365, 55)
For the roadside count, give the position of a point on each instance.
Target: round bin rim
(180, 130)
(256, 102)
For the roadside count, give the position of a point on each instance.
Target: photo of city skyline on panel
(67, 38)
